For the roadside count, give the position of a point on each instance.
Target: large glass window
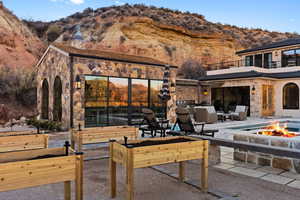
(118, 101)
(96, 90)
(258, 60)
(267, 60)
(249, 60)
(291, 58)
(155, 103)
(290, 96)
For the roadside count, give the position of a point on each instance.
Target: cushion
(210, 109)
(240, 109)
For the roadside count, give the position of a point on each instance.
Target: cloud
(72, 1)
(77, 1)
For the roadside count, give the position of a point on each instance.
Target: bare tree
(191, 69)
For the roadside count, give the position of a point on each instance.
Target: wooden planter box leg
(113, 173)
(204, 168)
(181, 171)
(67, 190)
(130, 175)
(79, 177)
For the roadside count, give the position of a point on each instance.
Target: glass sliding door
(155, 103)
(289, 58)
(96, 89)
(267, 60)
(118, 101)
(249, 60)
(139, 99)
(258, 60)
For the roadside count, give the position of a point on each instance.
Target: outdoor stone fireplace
(262, 159)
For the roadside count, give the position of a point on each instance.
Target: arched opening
(57, 100)
(290, 96)
(45, 100)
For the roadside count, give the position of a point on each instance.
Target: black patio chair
(150, 124)
(187, 127)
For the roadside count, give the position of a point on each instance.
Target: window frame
(285, 102)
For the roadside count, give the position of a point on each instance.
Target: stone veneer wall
(55, 64)
(88, 66)
(187, 90)
(262, 159)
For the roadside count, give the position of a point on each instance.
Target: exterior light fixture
(205, 92)
(77, 82)
(253, 90)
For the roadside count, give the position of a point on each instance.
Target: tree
(191, 69)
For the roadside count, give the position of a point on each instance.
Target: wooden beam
(113, 172)
(181, 171)
(204, 167)
(79, 176)
(67, 185)
(130, 175)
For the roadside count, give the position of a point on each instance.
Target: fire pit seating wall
(101, 134)
(262, 159)
(145, 153)
(31, 168)
(23, 142)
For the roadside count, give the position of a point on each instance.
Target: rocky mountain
(19, 47)
(164, 34)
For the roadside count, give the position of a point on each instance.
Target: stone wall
(187, 90)
(55, 64)
(88, 66)
(262, 159)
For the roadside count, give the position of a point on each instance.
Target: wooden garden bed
(101, 134)
(23, 142)
(31, 168)
(145, 153)
(15, 133)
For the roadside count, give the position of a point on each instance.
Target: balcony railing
(243, 63)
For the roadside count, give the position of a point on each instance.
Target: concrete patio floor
(151, 184)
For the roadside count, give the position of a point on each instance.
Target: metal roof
(251, 74)
(283, 43)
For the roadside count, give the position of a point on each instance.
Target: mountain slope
(19, 47)
(160, 33)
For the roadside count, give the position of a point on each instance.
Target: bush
(191, 69)
(18, 84)
(53, 33)
(44, 124)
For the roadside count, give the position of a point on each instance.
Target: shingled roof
(108, 55)
(283, 43)
(251, 74)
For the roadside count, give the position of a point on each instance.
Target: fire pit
(276, 134)
(276, 130)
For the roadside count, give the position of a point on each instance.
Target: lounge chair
(240, 113)
(187, 127)
(152, 125)
(205, 114)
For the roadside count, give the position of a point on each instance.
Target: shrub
(53, 33)
(44, 124)
(191, 69)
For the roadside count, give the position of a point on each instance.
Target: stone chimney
(1, 4)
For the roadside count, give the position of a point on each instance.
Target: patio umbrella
(164, 94)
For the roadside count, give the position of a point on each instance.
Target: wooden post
(79, 141)
(181, 171)
(67, 190)
(204, 169)
(72, 138)
(129, 175)
(46, 141)
(113, 172)
(79, 176)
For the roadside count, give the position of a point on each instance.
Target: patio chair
(240, 113)
(205, 114)
(187, 127)
(153, 126)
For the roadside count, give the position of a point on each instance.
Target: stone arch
(45, 100)
(57, 99)
(290, 96)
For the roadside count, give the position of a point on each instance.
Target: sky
(274, 15)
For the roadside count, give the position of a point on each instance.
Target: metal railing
(244, 63)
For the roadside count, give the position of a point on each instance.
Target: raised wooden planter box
(23, 142)
(156, 151)
(101, 134)
(30, 168)
(16, 133)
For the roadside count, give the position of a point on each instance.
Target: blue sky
(275, 15)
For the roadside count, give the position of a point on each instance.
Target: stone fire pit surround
(262, 159)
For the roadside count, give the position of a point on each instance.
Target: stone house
(266, 79)
(100, 88)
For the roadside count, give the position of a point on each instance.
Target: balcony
(244, 63)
